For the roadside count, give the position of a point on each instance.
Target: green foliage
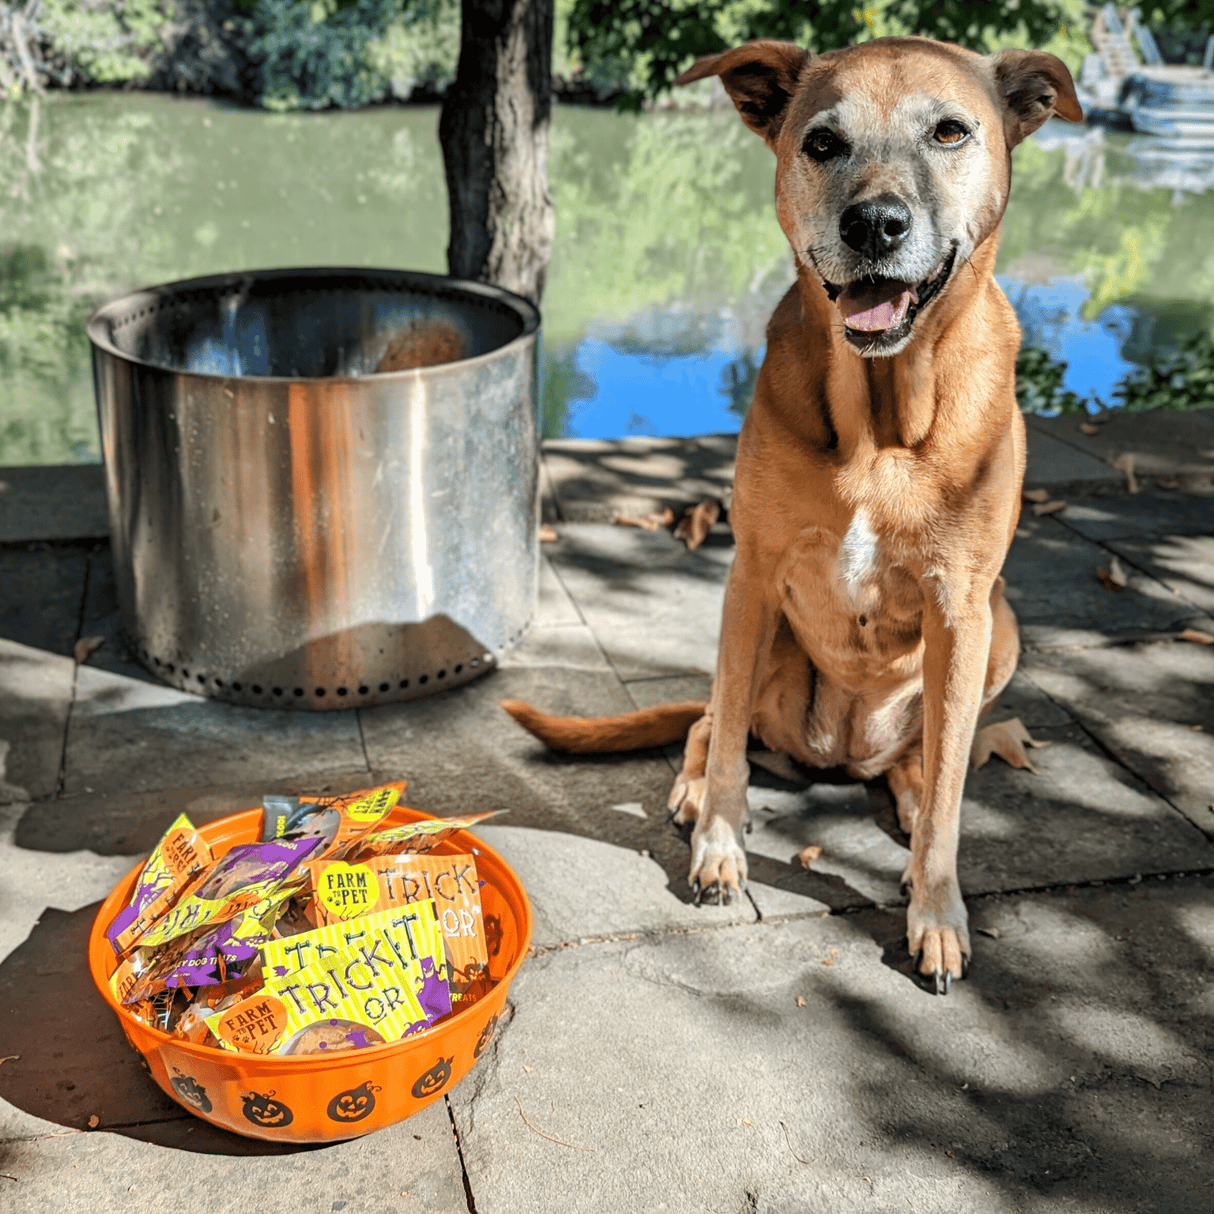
(659, 38)
(1039, 387)
(104, 39)
(1172, 379)
(316, 55)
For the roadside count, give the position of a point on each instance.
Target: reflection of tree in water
(738, 380)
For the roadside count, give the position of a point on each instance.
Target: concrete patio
(775, 1055)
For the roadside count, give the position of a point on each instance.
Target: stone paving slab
(41, 594)
(461, 753)
(1152, 707)
(53, 502)
(783, 1067)
(36, 698)
(411, 1168)
(1183, 563)
(1162, 442)
(1122, 515)
(654, 606)
(1060, 602)
(127, 735)
(594, 481)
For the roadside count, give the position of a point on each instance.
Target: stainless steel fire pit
(290, 527)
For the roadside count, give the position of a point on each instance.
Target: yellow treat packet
(384, 971)
(179, 857)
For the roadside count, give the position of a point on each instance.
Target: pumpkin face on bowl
(353, 1105)
(191, 1091)
(265, 1110)
(431, 1082)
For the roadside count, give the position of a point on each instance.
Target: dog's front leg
(718, 863)
(957, 642)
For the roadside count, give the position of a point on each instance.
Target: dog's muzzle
(878, 312)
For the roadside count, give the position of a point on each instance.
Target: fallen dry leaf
(1125, 463)
(697, 521)
(834, 952)
(1053, 507)
(1036, 495)
(809, 855)
(548, 534)
(1088, 428)
(86, 647)
(800, 1001)
(1107, 580)
(994, 934)
(94, 1121)
(651, 522)
(1196, 636)
(1007, 739)
(1117, 572)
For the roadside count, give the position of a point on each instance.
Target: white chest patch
(857, 554)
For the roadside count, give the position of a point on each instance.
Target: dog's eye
(951, 131)
(824, 145)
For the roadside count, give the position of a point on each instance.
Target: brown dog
(879, 468)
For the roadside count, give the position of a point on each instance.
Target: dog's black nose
(876, 227)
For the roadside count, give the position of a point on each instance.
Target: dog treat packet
(211, 999)
(411, 837)
(384, 971)
(216, 955)
(178, 858)
(336, 819)
(239, 880)
(342, 891)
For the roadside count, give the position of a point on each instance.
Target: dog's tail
(601, 735)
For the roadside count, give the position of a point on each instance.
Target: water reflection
(667, 266)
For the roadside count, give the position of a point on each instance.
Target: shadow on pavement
(68, 1059)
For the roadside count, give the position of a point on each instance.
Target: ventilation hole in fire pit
(382, 686)
(475, 662)
(278, 691)
(219, 682)
(236, 687)
(257, 689)
(341, 691)
(423, 679)
(185, 674)
(171, 668)
(156, 660)
(442, 674)
(403, 684)
(363, 689)
(459, 668)
(202, 678)
(299, 691)
(320, 691)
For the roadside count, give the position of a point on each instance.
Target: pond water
(668, 259)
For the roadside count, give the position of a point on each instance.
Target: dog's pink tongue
(872, 307)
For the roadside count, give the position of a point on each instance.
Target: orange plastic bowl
(326, 1098)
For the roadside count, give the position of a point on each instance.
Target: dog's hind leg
(906, 783)
(687, 796)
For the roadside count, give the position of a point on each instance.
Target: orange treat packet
(343, 891)
(411, 837)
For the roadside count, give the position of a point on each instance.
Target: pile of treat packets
(328, 934)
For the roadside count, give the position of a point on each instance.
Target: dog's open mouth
(879, 312)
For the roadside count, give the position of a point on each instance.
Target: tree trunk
(494, 134)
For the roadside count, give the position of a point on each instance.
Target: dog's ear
(1033, 85)
(760, 77)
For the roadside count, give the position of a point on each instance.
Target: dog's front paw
(937, 931)
(718, 863)
(686, 800)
